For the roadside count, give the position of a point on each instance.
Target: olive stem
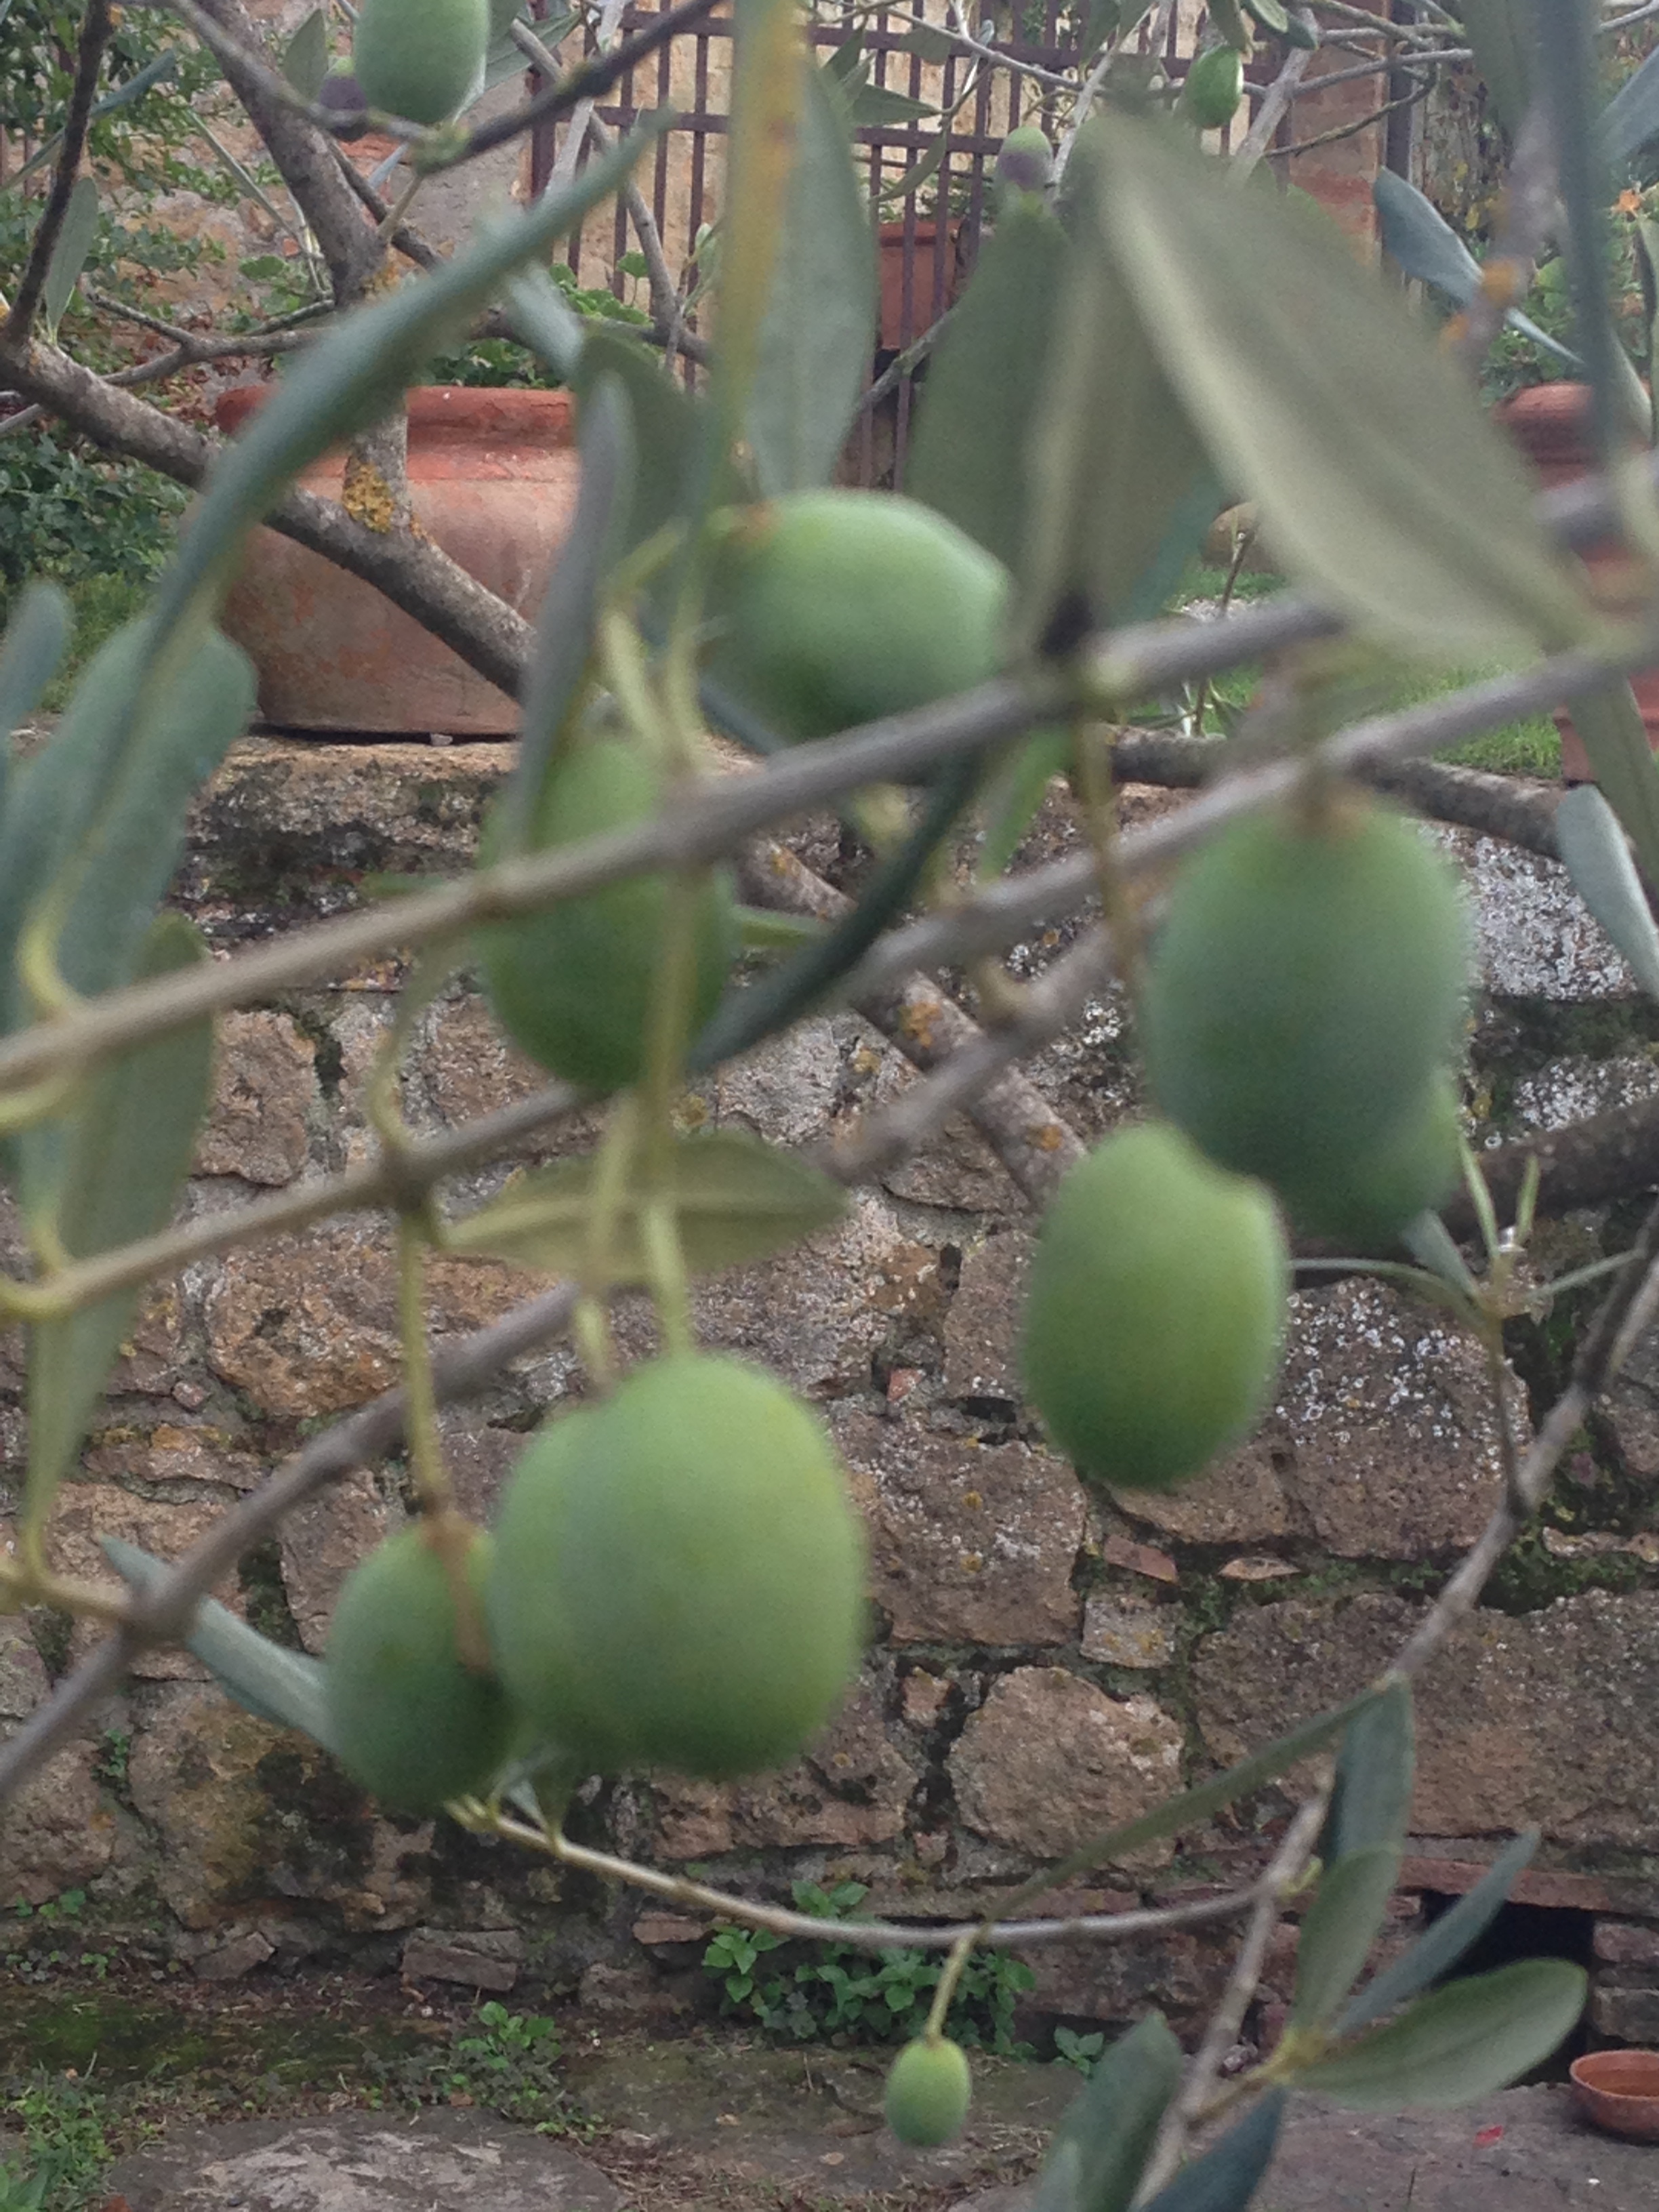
(961, 1952)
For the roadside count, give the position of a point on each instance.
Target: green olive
(1155, 1312)
(928, 2093)
(1306, 989)
(408, 1721)
(574, 987)
(423, 59)
(830, 609)
(679, 1574)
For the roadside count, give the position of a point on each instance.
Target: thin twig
(1274, 101)
(96, 29)
(1289, 1862)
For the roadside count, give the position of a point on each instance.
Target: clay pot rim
(1627, 2112)
(488, 413)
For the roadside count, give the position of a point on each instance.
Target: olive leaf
(121, 1159)
(816, 337)
(735, 1198)
(1101, 2146)
(1379, 479)
(31, 649)
(1372, 1797)
(1339, 1928)
(75, 235)
(968, 458)
(305, 58)
(1417, 236)
(267, 1679)
(1227, 2177)
(1435, 1953)
(1616, 740)
(1463, 2041)
(1596, 854)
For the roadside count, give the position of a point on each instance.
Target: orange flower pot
(492, 477)
(1550, 423)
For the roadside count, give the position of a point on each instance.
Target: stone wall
(1045, 1665)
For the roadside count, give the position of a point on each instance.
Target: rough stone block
(246, 1814)
(1572, 1090)
(1382, 1443)
(85, 1512)
(786, 1091)
(478, 1959)
(228, 1962)
(1121, 1634)
(818, 1313)
(1624, 2014)
(308, 1324)
(1049, 1760)
(57, 1833)
(968, 1544)
(322, 1540)
(1627, 1943)
(1534, 936)
(1521, 1721)
(852, 1787)
(981, 1330)
(264, 1090)
(171, 1453)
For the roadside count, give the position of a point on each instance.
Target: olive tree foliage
(1149, 336)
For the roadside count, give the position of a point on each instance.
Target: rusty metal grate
(929, 230)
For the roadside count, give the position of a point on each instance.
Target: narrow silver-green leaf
(1340, 1929)
(1417, 237)
(1463, 2041)
(1114, 458)
(1015, 793)
(818, 331)
(668, 423)
(31, 651)
(1101, 2146)
(1431, 1245)
(267, 1679)
(1438, 1951)
(1501, 33)
(126, 845)
(124, 1157)
(1379, 479)
(1227, 2176)
(305, 58)
(872, 104)
(556, 678)
(1372, 1797)
(1610, 723)
(737, 1197)
(970, 455)
(1629, 121)
(69, 256)
(544, 320)
(1193, 1806)
(1596, 856)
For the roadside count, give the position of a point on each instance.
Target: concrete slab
(441, 2161)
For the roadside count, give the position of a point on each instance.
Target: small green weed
(1083, 2053)
(66, 2145)
(834, 1991)
(506, 2061)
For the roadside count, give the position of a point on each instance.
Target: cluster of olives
(1302, 1009)
(827, 610)
(676, 1580)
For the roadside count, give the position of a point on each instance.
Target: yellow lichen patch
(367, 497)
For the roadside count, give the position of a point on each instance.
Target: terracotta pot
(898, 330)
(1619, 2090)
(1550, 424)
(492, 477)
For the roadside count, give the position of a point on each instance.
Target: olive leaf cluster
(675, 1579)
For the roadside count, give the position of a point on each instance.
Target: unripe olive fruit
(1306, 987)
(679, 1574)
(1155, 1311)
(1413, 1170)
(572, 986)
(830, 609)
(1213, 88)
(423, 59)
(928, 2091)
(408, 1721)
